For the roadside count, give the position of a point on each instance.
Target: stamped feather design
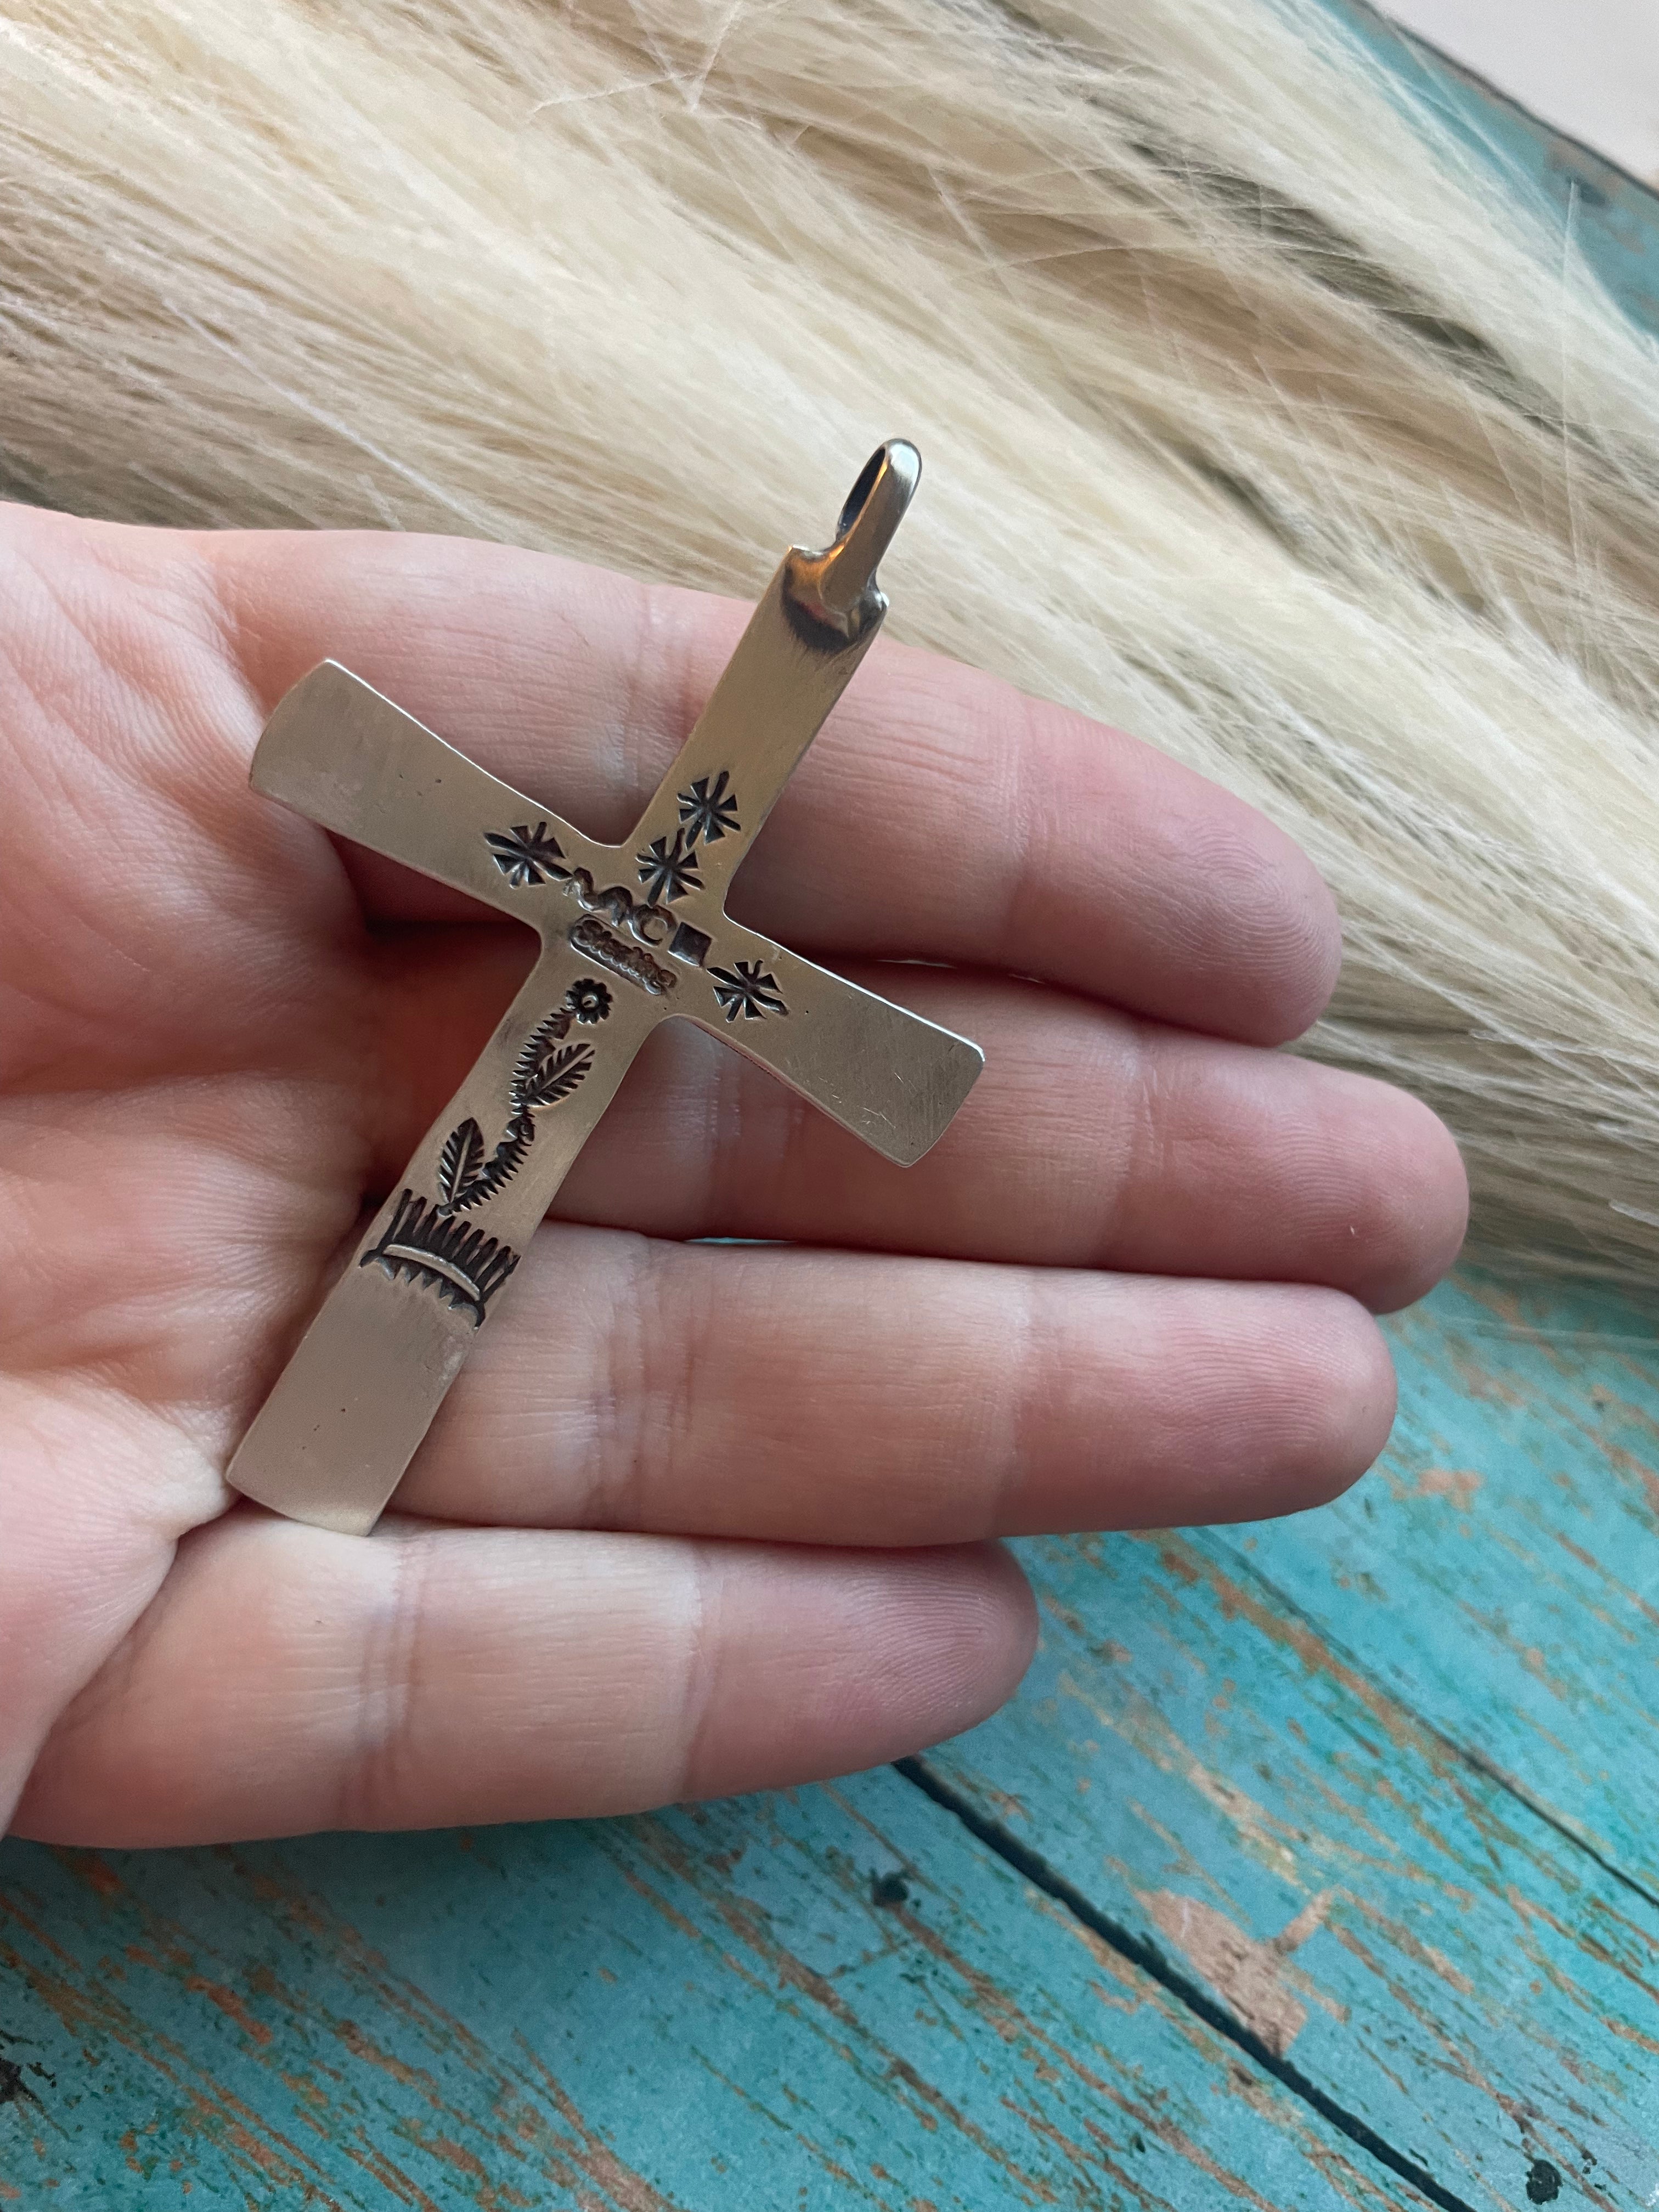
(541, 1078)
(460, 1162)
(556, 1077)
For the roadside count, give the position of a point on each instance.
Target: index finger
(943, 816)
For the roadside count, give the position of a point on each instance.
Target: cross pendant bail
(631, 935)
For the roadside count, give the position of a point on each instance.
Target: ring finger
(845, 1397)
(1093, 1138)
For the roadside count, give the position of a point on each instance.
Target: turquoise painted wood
(1284, 1755)
(830, 1999)
(1605, 209)
(1514, 1530)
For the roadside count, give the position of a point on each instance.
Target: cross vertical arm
(360, 1389)
(812, 626)
(890, 1077)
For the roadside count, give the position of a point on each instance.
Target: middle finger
(1092, 1139)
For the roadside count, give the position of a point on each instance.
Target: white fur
(1257, 419)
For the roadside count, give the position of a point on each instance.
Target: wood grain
(835, 1998)
(1276, 1755)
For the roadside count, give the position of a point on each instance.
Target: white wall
(1590, 67)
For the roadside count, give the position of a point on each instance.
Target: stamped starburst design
(749, 991)
(709, 809)
(524, 855)
(669, 871)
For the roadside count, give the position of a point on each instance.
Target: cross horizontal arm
(884, 1073)
(339, 753)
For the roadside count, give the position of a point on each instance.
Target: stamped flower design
(588, 1000)
(526, 856)
(709, 809)
(750, 991)
(669, 871)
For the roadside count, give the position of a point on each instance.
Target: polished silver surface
(631, 934)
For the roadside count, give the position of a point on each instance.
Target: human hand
(696, 1518)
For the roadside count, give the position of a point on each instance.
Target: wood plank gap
(1555, 1822)
(1151, 1961)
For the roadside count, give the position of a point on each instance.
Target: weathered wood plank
(1266, 1751)
(1611, 217)
(1502, 1576)
(831, 1999)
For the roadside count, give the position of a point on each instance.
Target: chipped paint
(765, 2017)
(1406, 1711)
(1245, 1974)
(1458, 1483)
(1254, 1979)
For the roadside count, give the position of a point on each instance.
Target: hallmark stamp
(590, 935)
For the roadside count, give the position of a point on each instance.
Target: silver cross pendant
(631, 934)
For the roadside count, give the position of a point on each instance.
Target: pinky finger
(286, 1679)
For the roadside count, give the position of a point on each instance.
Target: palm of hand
(696, 1519)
